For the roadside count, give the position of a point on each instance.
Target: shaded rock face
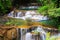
(23, 2)
(8, 34)
(3, 20)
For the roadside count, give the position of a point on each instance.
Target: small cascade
(19, 14)
(35, 33)
(28, 36)
(28, 14)
(42, 33)
(11, 14)
(21, 33)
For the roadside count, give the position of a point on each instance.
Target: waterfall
(28, 14)
(28, 36)
(19, 14)
(18, 34)
(11, 14)
(21, 33)
(42, 33)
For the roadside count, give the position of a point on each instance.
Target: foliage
(59, 27)
(53, 38)
(52, 22)
(5, 6)
(49, 9)
(15, 22)
(43, 9)
(51, 12)
(54, 15)
(54, 12)
(48, 36)
(12, 21)
(48, 2)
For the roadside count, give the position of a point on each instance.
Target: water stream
(28, 14)
(22, 33)
(27, 35)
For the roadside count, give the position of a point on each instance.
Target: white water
(29, 14)
(21, 34)
(42, 33)
(28, 36)
(38, 29)
(19, 14)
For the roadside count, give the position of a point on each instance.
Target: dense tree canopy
(5, 6)
(51, 9)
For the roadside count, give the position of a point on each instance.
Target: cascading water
(11, 14)
(21, 33)
(19, 14)
(25, 34)
(31, 15)
(42, 33)
(42, 36)
(28, 14)
(28, 36)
